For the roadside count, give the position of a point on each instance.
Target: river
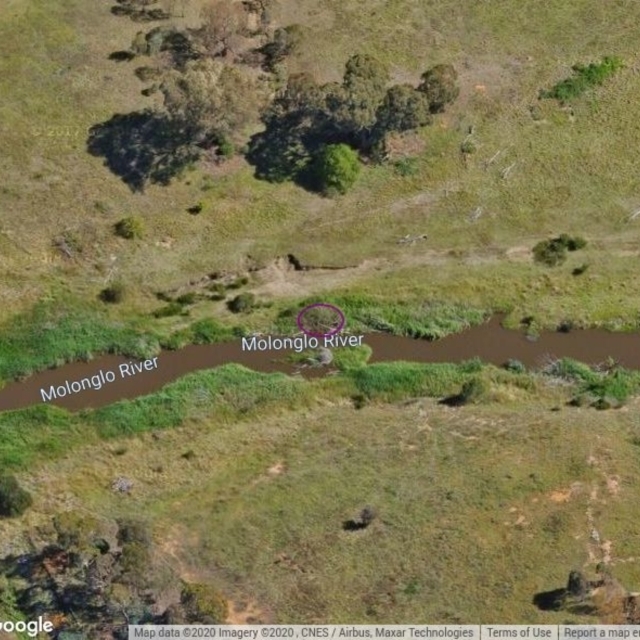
(490, 342)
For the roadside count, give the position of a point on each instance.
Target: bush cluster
(241, 303)
(553, 252)
(130, 228)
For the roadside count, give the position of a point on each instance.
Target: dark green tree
(440, 85)
(402, 109)
(335, 169)
(353, 104)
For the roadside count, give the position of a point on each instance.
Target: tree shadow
(122, 56)
(353, 525)
(285, 150)
(181, 47)
(553, 600)
(143, 147)
(138, 10)
(454, 400)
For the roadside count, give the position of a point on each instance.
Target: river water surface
(490, 342)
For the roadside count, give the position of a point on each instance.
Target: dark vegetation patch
(242, 303)
(79, 571)
(140, 10)
(14, 500)
(473, 391)
(122, 56)
(131, 227)
(553, 252)
(364, 519)
(113, 294)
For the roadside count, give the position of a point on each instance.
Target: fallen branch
(493, 159)
(408, 239)
(505, 173)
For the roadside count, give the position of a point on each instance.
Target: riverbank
(490, 343)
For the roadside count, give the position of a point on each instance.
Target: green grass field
(479, 508)
(570, 171)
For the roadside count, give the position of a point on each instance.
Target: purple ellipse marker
(299, 320)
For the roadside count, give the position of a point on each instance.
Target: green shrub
(468, 147)
(146, 74)
(226, 148)
(238, 283)
(440, 84)
(474, 391)
(576, 243)
(131, 530)
(550, 252)
(187, 298)
(171, 309)
(204, 604)
(130, 228)
(14, 500)
(406, 167)
(336, 168)
(283, 43)
(76, 531)
(515, 366)
(241, 303)
(583, 78)
(134, 562)
(208, 331)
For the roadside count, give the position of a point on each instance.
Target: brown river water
(490, 342)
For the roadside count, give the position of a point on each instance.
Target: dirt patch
(247, 612)
(560, 496)
(404, 145)
(613, 485)
(277, 469)
(272, 472)
(172, 548)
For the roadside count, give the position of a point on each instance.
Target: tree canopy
(212, 100)
(305, 118)
(336, 168)
(440, 85)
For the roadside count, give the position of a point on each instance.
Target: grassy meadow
(478, 508)
(569, 166)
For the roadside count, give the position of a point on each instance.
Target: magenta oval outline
(321, 335)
